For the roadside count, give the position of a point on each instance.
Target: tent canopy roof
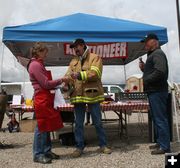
(93, 29)
(90, 27)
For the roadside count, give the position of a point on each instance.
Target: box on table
(27, 125)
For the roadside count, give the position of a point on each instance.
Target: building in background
(134, 83)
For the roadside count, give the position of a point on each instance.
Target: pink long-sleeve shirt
(38, 77)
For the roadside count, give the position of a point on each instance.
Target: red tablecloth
(22, 108)
(118, 106)
(128, 106)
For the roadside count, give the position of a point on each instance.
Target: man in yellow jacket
(84, 73)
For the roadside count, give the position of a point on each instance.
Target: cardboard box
(27, 125)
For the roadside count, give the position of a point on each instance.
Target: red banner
(104, 50)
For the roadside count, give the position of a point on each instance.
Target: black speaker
(67, 139)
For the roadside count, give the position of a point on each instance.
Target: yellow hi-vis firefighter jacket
(89, 88)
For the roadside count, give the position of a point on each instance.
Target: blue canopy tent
(116, 40)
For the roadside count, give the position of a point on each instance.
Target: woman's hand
(65, 80)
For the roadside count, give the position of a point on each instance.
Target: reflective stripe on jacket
(89, 89)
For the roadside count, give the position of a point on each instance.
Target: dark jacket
(156, 72)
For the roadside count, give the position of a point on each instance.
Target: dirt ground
(127, 153)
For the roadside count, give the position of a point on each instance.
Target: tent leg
(1, 64)
(175, 112)
(125, 77)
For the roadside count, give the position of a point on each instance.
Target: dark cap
(149, 37)
(77, 42)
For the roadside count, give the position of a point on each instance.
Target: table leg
(123, 124)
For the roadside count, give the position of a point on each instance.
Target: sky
(155, 12)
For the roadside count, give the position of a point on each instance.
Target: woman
(48, 119)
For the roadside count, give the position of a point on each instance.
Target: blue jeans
(95, 111)
(42, 143)
(158, 109)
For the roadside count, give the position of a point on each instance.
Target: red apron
(48, 119)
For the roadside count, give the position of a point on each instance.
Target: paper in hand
(58, 99)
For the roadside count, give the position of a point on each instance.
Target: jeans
(95, 111)
(42, 143)
(158, 109)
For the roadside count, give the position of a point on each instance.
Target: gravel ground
(134, 154)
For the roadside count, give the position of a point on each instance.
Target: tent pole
(178, 19)
(1, 64)
(124, 65)
(23, 88)
(125, 77)
(175, 112)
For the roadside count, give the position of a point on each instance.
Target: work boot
(159, 151)
(104, 150)
(42, 159)
(52, 155)
(87, 123)
(77, 153)
(5, 146)
(155, 146)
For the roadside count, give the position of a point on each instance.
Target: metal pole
(125, 77)
(1, 64)
(124, 65)
(176, 115)
(178, 19)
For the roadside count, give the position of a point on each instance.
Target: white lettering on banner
(112, 52)
(68, 50)
(99, 50)
(123, 50)
(104, 50)
(117, 50)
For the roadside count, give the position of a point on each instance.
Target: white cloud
(161, 12)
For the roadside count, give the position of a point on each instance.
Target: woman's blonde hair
(38, 47)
